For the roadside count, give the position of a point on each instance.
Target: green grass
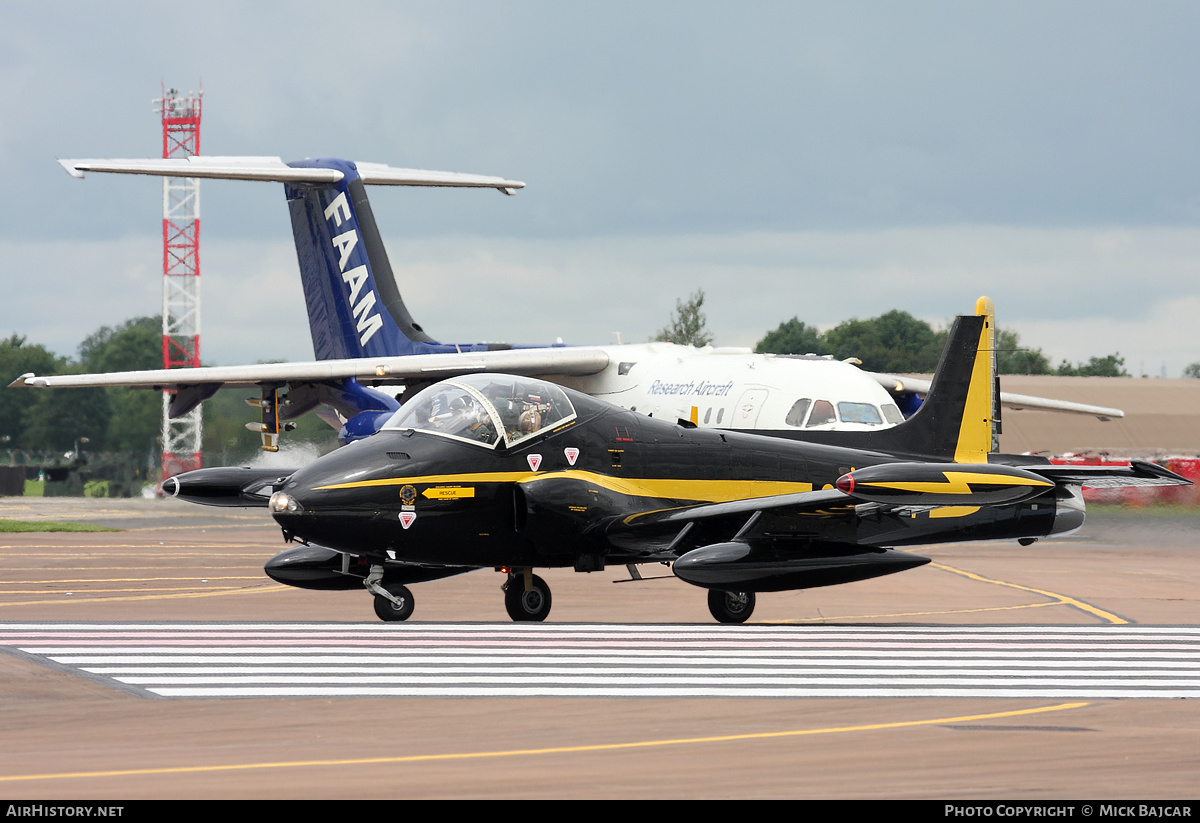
(13, 526)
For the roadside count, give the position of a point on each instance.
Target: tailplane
(354, 307)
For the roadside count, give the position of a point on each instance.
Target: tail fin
(354, 306)
(959, 419)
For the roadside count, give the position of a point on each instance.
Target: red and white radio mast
(181, 437)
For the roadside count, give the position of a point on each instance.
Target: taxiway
(188, 574)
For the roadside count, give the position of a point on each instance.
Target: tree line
(898, 342)
(118, 419)
(129, 420)
(893, 342)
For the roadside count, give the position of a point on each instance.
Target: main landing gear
(730, 607)
(526, 597)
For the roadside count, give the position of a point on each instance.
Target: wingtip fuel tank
(221, 486)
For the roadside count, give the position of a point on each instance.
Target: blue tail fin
(354, 307)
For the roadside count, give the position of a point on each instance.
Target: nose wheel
(730, 607)
(527, 598)
(398, 607)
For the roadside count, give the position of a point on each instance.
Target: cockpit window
(526, 406)
(822, 413)
(859, 413)
(795, 415)
(485, 409)
(891, 413)
(448, 409)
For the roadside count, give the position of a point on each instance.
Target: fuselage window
(822, 413)
(708, 415)
(795, 415)
(720, 414)
(891, 413)
(859, 413)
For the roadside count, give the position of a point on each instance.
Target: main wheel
(387, 610)
(730, 607)
(527, 605)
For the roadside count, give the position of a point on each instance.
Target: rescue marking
(448, 492)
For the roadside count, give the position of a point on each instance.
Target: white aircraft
(364, 337)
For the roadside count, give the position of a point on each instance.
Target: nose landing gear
(398, 607)
(393, 602)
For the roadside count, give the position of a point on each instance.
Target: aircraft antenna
(182, 436)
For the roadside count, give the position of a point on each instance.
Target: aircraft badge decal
(572, 455)
(407, 518)
(535, 460)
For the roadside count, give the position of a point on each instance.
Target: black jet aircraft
(516, 473)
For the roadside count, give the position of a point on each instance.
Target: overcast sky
(817, 160)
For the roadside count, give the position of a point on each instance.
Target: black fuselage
(419, 497)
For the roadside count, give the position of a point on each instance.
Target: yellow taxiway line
(266, 588)
(601, 747)
(1061, 599)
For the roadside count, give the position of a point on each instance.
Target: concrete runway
(66, 736)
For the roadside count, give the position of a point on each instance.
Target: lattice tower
(181, 437)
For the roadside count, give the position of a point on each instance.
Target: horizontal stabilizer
(1137, 473)
(275, 170)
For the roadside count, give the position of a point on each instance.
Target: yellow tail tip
(984, 305)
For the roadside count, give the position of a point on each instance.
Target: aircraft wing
(379, 370)
(897, 384)
(273, 169)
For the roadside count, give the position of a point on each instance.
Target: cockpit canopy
(486, 409)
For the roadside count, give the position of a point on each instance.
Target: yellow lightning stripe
(714, 491)
(959, 483)
(952, 511)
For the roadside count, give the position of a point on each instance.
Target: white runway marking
(506, 660)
